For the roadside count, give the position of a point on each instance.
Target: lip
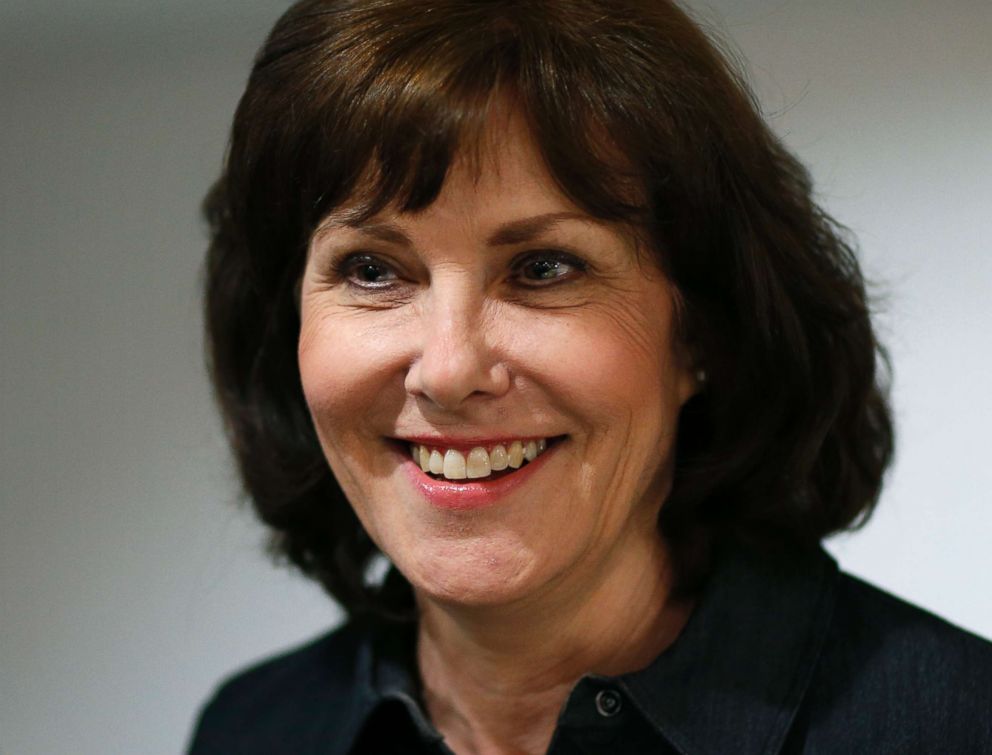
(470, 495)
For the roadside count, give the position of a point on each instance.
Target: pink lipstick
(471, 494)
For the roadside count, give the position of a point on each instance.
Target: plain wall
(130, 579)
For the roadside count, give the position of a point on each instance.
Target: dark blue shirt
(778, 657)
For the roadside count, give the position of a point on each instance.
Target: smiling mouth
(478, 463)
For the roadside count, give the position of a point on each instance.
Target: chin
(470, 575)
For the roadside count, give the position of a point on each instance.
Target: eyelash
(553, 257)
(346, 268)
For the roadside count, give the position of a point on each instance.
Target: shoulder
(300, 694)
(899, 674)
(883, 631)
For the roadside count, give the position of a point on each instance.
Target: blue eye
(543, 268)
(365, 271)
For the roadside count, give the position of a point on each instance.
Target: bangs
(385, 106)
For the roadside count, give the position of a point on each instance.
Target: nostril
(449, 382)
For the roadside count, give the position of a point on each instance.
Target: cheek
(604, 363)
(346, 366)
(613, 370)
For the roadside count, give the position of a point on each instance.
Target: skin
(565, 330)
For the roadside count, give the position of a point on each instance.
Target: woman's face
(501, 313)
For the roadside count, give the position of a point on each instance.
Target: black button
(608, 702)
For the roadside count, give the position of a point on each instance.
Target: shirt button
(608, 703)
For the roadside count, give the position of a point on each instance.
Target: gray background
(130, 580)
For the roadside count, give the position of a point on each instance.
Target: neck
(496, 677)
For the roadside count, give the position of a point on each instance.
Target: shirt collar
(732, 681)
(343, 720)
(736, 676)
(385, 671)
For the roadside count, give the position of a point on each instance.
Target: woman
(527, 298)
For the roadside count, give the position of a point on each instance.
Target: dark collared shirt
(777, 658)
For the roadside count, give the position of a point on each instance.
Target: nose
(457, 359)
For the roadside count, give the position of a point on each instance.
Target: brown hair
(790, 438)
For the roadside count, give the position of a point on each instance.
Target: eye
(365, 271)
(545, 268)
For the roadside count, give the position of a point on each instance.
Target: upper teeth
(479, 462)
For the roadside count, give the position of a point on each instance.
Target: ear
(298, 294)
(691, 381)
(691, 374)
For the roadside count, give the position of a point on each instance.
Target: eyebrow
(514, 232)
(383, 231)
(526, 229)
